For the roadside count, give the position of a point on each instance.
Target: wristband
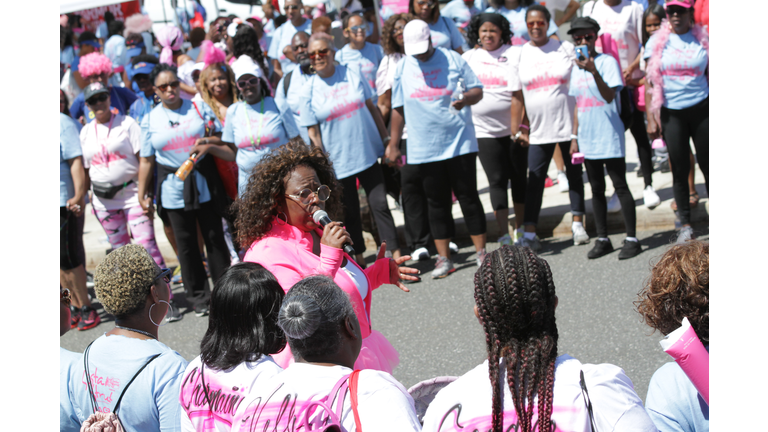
(574, 137)
(525, 127)
(386, 139)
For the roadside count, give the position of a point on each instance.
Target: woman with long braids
(532, 388)
(246, 42)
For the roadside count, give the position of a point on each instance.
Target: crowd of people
(250, 141)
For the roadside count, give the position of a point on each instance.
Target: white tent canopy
(67, 6)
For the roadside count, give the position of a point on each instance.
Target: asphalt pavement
(435, 330)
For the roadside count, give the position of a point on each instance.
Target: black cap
(94, 89)
(584, 23)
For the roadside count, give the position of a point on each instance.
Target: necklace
(136, 331)
(248, 123)
(172, 123)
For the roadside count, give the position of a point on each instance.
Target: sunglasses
(357, 28)
(253, 82)
(319, 53)
(289, 7)
(97, 99)
(533, 24)
(66, 297)
(676, 10)
(165, 274)
(586, 38)
(164, 87)
(306, 195)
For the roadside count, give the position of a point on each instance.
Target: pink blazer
(286, 251)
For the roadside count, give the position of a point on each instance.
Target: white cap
(416, 37)
(198, 67)
(244, 65)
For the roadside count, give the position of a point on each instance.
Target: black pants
(644, 150)
(616, 168)
(70, 243)
(539, 156)
(460, 175)
(184, 225)
(678, 127)
(415, 210)
(504, 161)
(372, 181)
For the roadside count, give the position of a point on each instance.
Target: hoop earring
(281, 220)
(478, 41)
(150, 313)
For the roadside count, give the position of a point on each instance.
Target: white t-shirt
(385, 77)
(545, 75)
(465, 404)
(110, 157)
(494, 69)
(383, 403)
(624, 23)
(226, 390)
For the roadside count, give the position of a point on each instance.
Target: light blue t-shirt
(152, 400)
(458, 11)
(68, 422)
(601, 132)
(115, 49)
(424, 91)
(275, 127)
(282, 38)
(171, 146)
(69, 148)
(517, 24)
(337, 105)
(367, 60)
(673, 403)
(445, 34)
(683, 63)
(644, 3)
(293, 98)
(102, 31)
(67, 55)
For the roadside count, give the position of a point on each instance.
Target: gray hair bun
(300, 316)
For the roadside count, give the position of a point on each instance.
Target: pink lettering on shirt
(490, 81)
(265, 141)
(678, 71)
(426, 93)
(586, 103)
(545, 82)
(180, 143)
(103, 387)
(345, 110)
(98, 158)
(517, 40)
(452, 422)
(213, 402)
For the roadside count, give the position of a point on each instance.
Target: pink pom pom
(214, 55)
(94, 64)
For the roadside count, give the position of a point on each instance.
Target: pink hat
(416, 37)
(681, 3)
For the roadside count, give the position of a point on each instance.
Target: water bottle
(186, 167)
(458, 94)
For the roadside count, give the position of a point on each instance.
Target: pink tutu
(376, 353)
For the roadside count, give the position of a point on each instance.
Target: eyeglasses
(533, 24)
(165, 274)
(319, 53)
(357, 28)
(586, 38)
(305, 196)
(429, 4)
(164, 87)
(253, 82)
(66, 297)
(397, 30)
(97, 99)
(289, 7)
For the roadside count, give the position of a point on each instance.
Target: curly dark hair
(246, 41)
(266, 187)
(388, 41)
(678, 288)
(515, 299)
(160, 68)
(497, 4)
(473, 30)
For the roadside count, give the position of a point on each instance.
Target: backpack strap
(117, 405)
(287, 83)
(587, 400)
(353, 396)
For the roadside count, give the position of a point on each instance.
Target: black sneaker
(201, 311)
(602, 247)
(174, 314)
(630, 249)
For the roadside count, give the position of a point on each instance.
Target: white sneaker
(562, 181)
(420, 254)
(453, 247)
(580, 236)
(505, 240)
(518, 234)
(650, 197)
(614, 205)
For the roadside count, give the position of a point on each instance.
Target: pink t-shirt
(624, 23)
(545, 74)
(110, 157)
(492, 114)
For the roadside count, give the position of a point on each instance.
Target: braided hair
(515, 298)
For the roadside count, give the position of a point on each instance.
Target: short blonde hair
(123, 278)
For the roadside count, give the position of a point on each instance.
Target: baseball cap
(416, 37)
(93, 89)
(681, 3)
(134, 45)
(584, 23)
(244, 65)
(139, 68)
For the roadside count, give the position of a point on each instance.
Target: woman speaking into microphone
(275, 223)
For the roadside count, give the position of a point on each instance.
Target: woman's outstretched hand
(397, 273)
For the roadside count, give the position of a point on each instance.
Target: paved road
(435, 331)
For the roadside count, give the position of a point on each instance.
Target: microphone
(321, 218)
